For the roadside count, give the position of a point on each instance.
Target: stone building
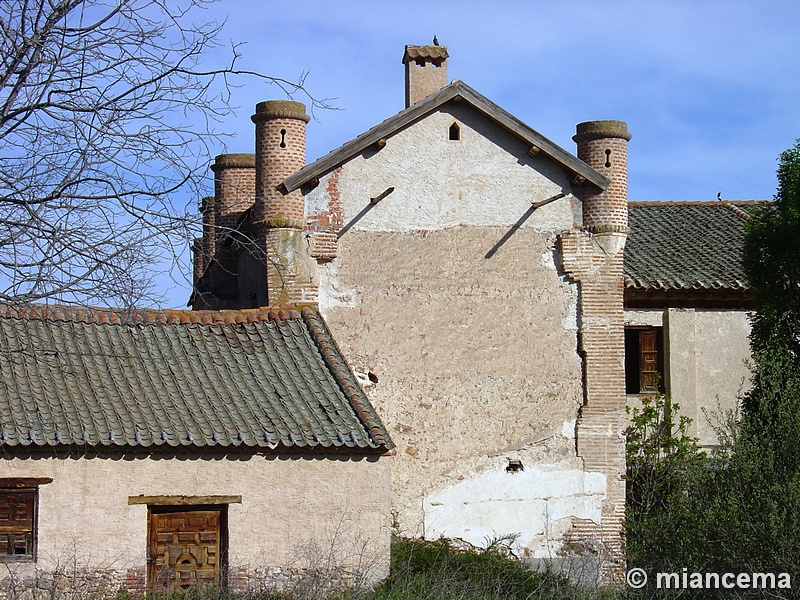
(157, 450)
(471, 271)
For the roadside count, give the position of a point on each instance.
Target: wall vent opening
(454, 132)
(514, 466)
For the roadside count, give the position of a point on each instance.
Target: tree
(772, 263)
(739, 509)
(106, 113)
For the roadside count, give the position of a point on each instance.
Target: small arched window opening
(454, 132)
(283, 138)
(608, 157)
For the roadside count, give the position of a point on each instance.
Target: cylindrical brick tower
(280, 151)
(279, 218)
(234, 187)
(603, 145)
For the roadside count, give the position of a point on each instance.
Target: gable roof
(686, 245)
(455, 91)
(259, 379)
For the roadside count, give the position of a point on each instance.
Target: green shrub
(437, 570)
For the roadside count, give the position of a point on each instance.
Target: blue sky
(710, 89)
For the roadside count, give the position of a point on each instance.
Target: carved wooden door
(184, 550)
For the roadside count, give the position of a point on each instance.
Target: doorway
(186, 547)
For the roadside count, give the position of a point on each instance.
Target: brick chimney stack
(279, 219)
(426, 71)
(603, 145)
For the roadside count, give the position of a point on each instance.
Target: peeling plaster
(332, 292)
(538, 504)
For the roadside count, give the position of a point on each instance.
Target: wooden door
(184, 550)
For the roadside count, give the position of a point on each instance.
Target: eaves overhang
(457, 91)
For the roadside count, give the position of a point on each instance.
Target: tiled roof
(425, 52)
(686, 245)
(262, 378)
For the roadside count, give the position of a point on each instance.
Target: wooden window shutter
(17, 514)
(648, 361)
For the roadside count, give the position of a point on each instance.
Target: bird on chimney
(435, 41)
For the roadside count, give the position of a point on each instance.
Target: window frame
(641, 341)
(15, 488)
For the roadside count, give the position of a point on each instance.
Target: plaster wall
(287, 505)
(706, 367)
(445, 297)
(485, 178)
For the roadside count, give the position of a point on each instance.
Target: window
(17, 523)
(454, 132)
(644, 360)
(19, 500)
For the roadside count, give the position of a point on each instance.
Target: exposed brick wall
(207, 245)
(594, 259)
(135, 582)
(595, 263)
(198, 260)
(234, 188)
(324, 227)
(279, 219)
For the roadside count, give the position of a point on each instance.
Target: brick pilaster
(593, 258)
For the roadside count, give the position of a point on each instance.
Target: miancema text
(715, 581)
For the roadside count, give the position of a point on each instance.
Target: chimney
(603, 145)
(426, 71)
(279, 218)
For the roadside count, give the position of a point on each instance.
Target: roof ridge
(151, 316)
(742, 214)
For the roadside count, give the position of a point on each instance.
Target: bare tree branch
(106, 112)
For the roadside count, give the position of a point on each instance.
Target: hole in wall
(608, 157)
(283, 139)
(454, 132)
(514, 465)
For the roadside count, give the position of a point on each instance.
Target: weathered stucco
(536, 503)
(485, 178)
(482, 366)
(289, 505)
(446, 298)
(707, 352)
(705, 361)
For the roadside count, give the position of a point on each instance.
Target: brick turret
(234, 187)
(277, 218)
(280, 151)
(603, 145)
(426, 71)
